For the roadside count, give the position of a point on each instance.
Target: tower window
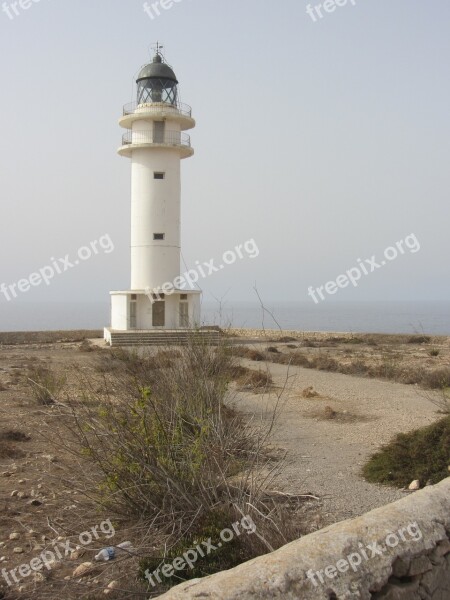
(159, 175)
(159, 236)
(183, 297)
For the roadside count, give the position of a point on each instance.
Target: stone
(18, 550)
(2, 559)
(419, 565)
(22, 495)
(111, 587)
(400, 568)
(414, 485)
(35, 502)
(14, 536)
(83, 569)
(14, 493)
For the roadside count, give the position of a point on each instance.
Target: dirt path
(325, 456)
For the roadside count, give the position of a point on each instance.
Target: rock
(38, 578)
(414, 485)
(21, 481)
(76, 555)
(18, 550)
(400, 567)
(9, 473)
(419, 565)
(35, 502)
(111, 587)
(50, 457)
(14, 493)
(22, 495)
(2, 559)
(83, 569)
(14, 536)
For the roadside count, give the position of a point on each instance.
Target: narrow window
(159, 175)
(159, 236)
(183, 297)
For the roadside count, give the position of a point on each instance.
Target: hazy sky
(323, 141)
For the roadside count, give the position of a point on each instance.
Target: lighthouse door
(159, 314)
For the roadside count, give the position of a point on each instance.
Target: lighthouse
(156, 142)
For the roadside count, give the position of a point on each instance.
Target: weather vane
(157, 48)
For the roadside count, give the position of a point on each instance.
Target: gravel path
(325, 456)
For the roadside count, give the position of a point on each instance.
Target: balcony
(133, 107)
(170, 139)
(154, 111)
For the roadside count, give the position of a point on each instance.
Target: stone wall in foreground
(398, 552)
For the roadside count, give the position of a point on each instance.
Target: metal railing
(184, 109)
(170, 138)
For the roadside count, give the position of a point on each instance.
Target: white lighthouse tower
(156, 143)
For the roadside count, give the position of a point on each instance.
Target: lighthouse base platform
(162, 337)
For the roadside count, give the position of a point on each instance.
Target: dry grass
(330, 414)
(310, 392)
(253, 380)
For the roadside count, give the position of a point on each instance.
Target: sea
(371, 317)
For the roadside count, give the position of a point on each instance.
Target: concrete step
(161, 338)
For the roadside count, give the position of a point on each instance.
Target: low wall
(398, 552)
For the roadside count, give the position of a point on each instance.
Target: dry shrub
(168, 451)
(309, 344)
(273, 350)
(254, 380)
(419, 339)
(245, 352)
(9, 450)
(437, 379)
(14, 436)
(324, 362)
(46, 385)
(86, 346)
(309, 392)
(329, 413)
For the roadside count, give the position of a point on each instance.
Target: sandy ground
(325, 456)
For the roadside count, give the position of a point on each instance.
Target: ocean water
(371, 317)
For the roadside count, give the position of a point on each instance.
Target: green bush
(423, 454)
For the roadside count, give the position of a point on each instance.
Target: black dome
(157, 70)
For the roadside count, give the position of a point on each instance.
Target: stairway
(160, 337)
